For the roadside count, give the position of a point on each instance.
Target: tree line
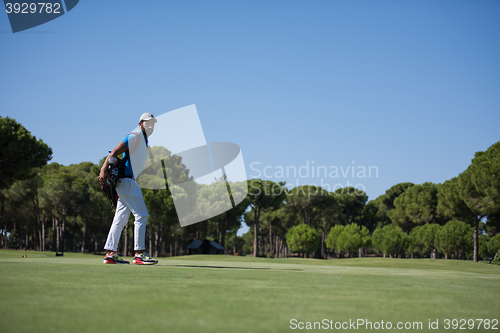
(62, 208)
(459, 218)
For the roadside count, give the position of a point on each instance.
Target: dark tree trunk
(38, 219)
(2, 200)
(476, 239)
(58, 236)
(282, 243)
(234, 244)
(277, 250)
(42, 242)
(84, 234)
(54, 234)
(223, 233)
(162, 240)
(263, 245)
(157, 239)
(256, 231)
(270, 240)
(323, 238)
(62, 231)
(175, 242)
(182, 242)
(14, 234)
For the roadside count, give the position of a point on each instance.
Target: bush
(494, 244)
(496, 259)
(483, 247)
(424, 238)
(352, 238)
(390, 240)
(378, 240)
(302, 238)
(332, 238)
(455, 237)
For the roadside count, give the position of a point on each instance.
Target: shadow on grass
(256, 268)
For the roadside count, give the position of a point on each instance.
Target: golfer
(135, 151)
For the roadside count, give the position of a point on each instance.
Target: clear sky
(410, 88)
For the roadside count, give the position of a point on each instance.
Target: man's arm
(119, 149)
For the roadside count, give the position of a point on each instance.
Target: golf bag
(116, 170)
(109, 187)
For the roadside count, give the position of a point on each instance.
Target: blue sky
(410, 87)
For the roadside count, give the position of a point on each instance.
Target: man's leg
(120, 220)
(135, 202)
(131, 196)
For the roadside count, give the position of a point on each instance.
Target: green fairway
(77, 293)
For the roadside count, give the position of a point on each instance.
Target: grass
(77, 293)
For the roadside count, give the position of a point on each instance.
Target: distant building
(204, 246)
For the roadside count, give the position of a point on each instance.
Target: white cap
(147, 116)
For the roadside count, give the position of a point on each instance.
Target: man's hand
(103, 176)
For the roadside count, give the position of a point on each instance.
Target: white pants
(130, 200)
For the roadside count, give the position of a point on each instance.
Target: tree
(483, 246)
(333, 237)
(307, 202)
(20, 152)
(64, 190)
(352, 202)
(248, 238)
(377, 211)
(378, 240)
(329, 215)
(392, 193)
(352, 238)
(236, 242)
(231, 219)
(315, 207)
(30, 187)
(411, 246)
(416, 206)
(454, 237)
(371, 216)
(18, 215)
(390, 240)
(493, 224)
(263, 194)
(302, 238)
(479, 187)
(423, 238)
(280, 220)
(269, 220)
(494, 245)
(450, 205)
